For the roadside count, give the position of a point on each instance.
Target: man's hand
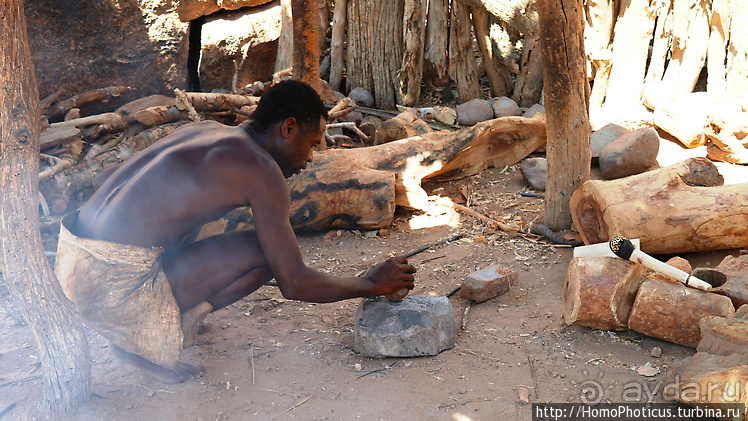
(391, 275)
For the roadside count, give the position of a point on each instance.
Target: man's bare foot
(191, 320)
(163, 374)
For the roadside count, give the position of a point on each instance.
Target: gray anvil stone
(419, 325)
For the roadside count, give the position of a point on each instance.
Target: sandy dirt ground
(268, 358)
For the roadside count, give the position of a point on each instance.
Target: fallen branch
(349, 126)
(106, 118)
(483, 218)
(465, 315)
(59, 109)
(293, 407)
(184, 103)
(161, 114)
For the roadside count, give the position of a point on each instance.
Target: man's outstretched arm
(271, 208)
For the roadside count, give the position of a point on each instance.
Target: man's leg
(220, 269)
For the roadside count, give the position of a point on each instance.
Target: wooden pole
(336, 44)
(567, 106)
(411, 71)
(61, 340)
(306, 33)
(284, 57)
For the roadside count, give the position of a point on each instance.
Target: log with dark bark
(566, 103)
(672, 311)
(599, 291)
(359, 188)
(60, 338)
(677, 209)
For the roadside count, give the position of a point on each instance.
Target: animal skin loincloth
(122, 293)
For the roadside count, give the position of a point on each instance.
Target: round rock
(505, 106)
(473, 112)
(361, 96)
(632, 153)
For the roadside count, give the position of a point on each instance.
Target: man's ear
(288, 126)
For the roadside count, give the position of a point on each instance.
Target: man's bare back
(161, 195)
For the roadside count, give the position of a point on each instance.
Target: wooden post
(498, 76)
(462, 66)
(61, 340)
(306, 33)
(375, 50)
(284, 57)
(336, 44)
(737, 57)
(566, 102)
(411, 71)
(435, 55)
(633, 32)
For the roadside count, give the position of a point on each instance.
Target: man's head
(291, 116)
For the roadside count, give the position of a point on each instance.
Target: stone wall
(83, 45)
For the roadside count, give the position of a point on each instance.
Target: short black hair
(289, 98)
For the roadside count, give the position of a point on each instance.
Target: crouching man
(123, 258)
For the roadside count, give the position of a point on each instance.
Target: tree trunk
(719, 22)
(284, 57)
(737, 59)
(375, 48)
(528, 89)
(678, 209)
(463, 68)
(498, 76)
(690, 39)
(435, 55)
(337, 58)
(411, 72)
(601, 15)
(512, 12)
(633, 33)
(50, 315)
(660, 50)
(306, 45)
(566, 102)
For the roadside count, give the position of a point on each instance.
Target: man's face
(297, 150)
